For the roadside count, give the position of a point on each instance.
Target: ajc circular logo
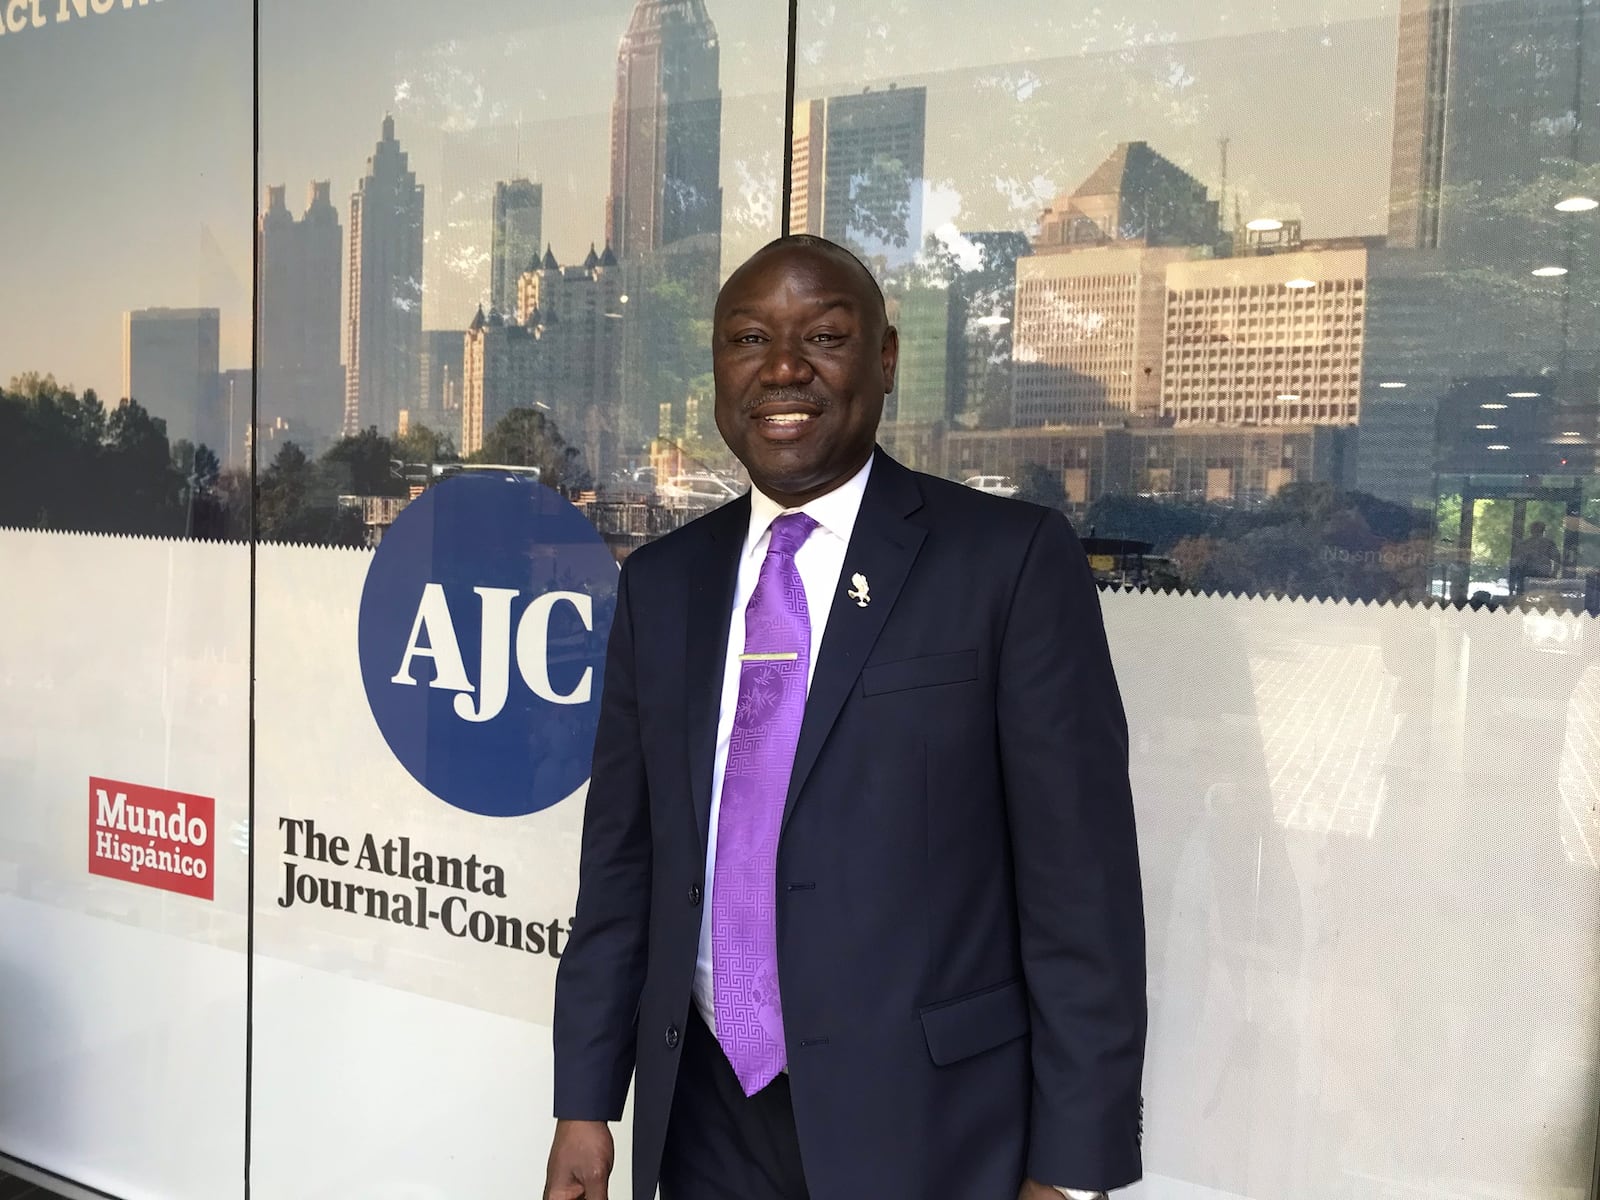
(483, 627)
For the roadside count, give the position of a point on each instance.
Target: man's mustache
(785, 395)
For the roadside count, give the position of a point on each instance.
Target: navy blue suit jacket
(960, 923)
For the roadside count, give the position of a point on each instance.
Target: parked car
(697, 489)
(995, 485)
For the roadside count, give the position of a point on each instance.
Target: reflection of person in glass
(873, 929)
(1534, 557)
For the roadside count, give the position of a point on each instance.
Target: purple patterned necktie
(755, 782)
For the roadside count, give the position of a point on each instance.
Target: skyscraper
(578, 313)
(666, 129)
(518, 235)
(922, 315)
(1134, 196)
(170, 366)
(1487, 278)
(1489, 97)
(808, 166)
(234, 394)
(501, 370)
(1091, 300)
(1267, 339)
(563, 357)
(302, 382)
(442, 371)
(664, 214)
(859, 161)
(1089, 334)
(385, 314)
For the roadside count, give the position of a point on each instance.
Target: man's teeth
(788, 418)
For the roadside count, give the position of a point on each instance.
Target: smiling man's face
(803, 357)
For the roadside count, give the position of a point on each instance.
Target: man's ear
(891, 357)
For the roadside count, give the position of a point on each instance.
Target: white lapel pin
(860, 593)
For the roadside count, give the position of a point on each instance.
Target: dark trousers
(721, 1144)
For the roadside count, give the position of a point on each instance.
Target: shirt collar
(834, 511)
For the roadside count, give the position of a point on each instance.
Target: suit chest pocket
(930, 670)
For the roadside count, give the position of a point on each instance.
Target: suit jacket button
(672, 1037)
(694, 895)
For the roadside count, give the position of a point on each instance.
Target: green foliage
(297, 499)
(1040, 485)
(421, 444)
(363, 465)
(525, 437)
(66, 463)
(1308, 540)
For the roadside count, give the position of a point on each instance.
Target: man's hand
(581, 1156)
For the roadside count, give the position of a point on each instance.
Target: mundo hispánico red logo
(152, 837)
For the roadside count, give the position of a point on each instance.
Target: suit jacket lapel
(713, 573)
(883, 547)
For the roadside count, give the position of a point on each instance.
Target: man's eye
(748, 338)
(825, 337)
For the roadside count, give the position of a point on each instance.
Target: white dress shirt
(820, 559)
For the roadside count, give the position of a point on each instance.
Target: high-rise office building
(1485, 276)
(465, 168)
(235, 388)
(1267, 339)
(858, 172)
(1134, 196)
(1091, 300)
(664, 213)
(500, 373)
(170, 366)
(515, 242)
(385, 311)
(563, 358)
(442, 371)
(578, 313)
(302, 381)
(921, 313)
(1488, 100)
(666, 129)
(808, 166)
(1088, 343)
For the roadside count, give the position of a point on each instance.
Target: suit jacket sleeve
(602, 972)
(1064, 756)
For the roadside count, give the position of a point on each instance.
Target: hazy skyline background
(1022, 104)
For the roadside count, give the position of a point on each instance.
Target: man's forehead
(779, 268)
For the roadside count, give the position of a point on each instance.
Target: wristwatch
(1075, 1194)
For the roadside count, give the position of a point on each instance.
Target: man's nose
(785, 364)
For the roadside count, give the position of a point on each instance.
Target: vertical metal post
(788, 117)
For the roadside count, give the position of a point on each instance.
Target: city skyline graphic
(1210, 263)
(179, 232)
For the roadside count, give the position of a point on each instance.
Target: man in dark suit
(859, 906)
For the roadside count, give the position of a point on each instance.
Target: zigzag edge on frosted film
(184, 541)
(1425, 604)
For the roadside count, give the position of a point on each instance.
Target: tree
(422, 444)
(1145, 520)
(525, 437)
(196, 464)
(297, 502)
(363, 466)
(66, 463)
(1040, 485)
